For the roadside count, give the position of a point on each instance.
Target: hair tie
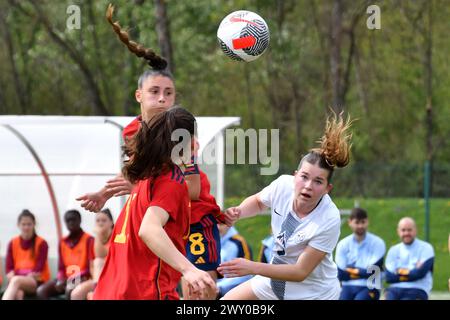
(328, 162)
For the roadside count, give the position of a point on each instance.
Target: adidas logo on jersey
(200, 260)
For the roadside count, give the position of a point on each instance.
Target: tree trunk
(323, 52)
(248, 91)
(18, 86)
(360, 82)
(298, 103)
(132, 65)
(163, 30)
(429, 91)
(98, 105)
(29, 81)
(99, 61)
(335, 56)
(3, 104)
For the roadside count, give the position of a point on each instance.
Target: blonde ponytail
(335, 144)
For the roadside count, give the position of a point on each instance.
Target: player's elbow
(301, 276)
(144, 234)
(297, 276)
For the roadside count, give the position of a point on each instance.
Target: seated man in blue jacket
(265, 254)
(233, 246)
(358, 257)
(409, 265)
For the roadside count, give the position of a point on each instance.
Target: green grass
(384, 215)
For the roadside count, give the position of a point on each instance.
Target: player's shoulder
(395, 248)
(238, 239)
(424, 244)
(173, 177)
(42, 240)
(268, 241)
(87, 236)
(131, 128)
(285, 179)
(14, 239)
(376, 239)
(284, 184)
(329, 211)
(345, 241)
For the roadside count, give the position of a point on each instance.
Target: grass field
(384, 215)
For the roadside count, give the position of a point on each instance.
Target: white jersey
(320, 229)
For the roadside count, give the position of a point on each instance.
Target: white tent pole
(220, 147)
(122, 201)
(48, 183)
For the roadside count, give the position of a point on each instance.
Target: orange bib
(24, 261)
(76, 259)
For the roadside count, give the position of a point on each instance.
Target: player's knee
(20, 295)
(15, 282)
(76, 293)
(41, 292)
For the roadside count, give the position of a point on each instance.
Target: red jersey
(132, 271)
(206, 203)
(132, 128)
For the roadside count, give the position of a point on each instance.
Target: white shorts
(295, 290)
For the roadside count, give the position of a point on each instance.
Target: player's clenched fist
(232, 215)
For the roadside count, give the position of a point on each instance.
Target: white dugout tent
(48, 161)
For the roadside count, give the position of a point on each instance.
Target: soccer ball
(243, 35)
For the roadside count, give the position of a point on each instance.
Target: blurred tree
(163, 31)
(394, 80)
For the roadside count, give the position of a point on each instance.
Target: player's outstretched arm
(250, 207)
(155, 237)
(94, 201)
(306, 263)
(119, 186)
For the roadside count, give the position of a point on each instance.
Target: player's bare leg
(243, 291)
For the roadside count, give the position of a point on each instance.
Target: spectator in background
(76, 254)
(233, 246)
(26, 260)
(355, 254)
(409, 265)
(104, 225)
(265, 254)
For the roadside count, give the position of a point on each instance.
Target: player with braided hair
(156, 93)
(305, 224)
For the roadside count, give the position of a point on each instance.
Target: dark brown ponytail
(155, 61)
(150, 150)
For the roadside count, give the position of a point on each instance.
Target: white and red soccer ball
(243, 35)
